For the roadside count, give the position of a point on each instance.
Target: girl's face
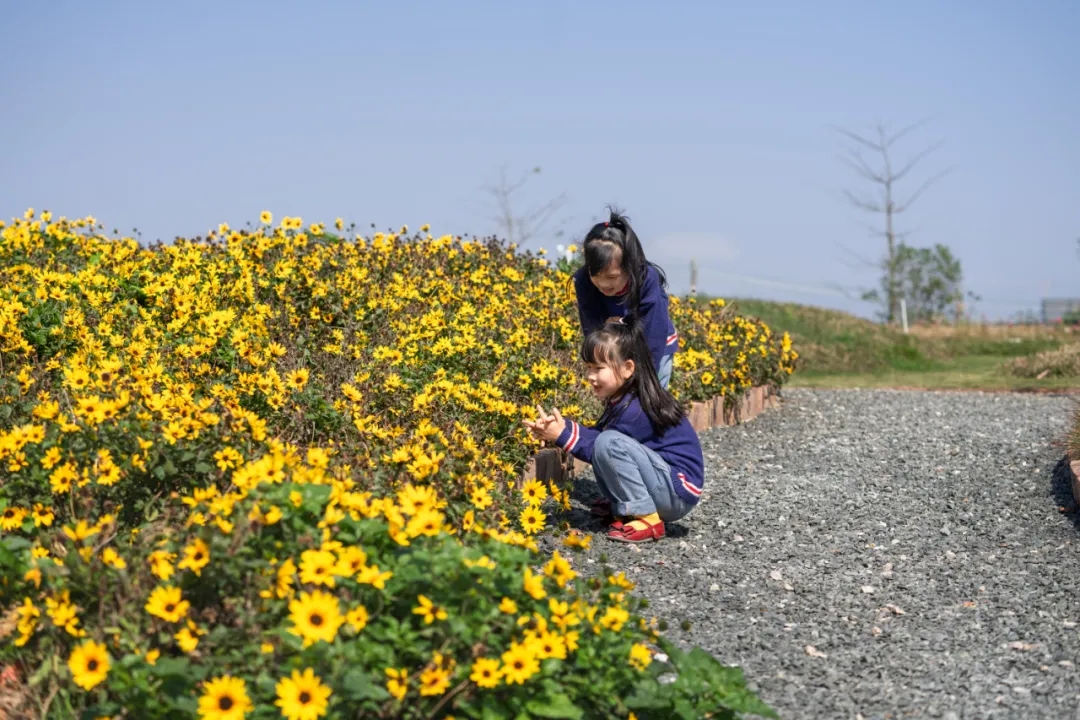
(613, 279)
(606, 379)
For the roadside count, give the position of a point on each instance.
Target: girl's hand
(547, 427)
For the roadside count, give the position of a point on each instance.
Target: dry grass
(1061, 362)
(998, 332)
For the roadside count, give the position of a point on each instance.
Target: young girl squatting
(645, 454)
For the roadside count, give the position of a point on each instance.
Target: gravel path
(912, 540)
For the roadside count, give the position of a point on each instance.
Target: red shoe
(621, 532)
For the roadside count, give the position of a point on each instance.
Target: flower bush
(271, 473)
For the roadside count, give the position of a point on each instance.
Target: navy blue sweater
(594, 308)
(679, 446)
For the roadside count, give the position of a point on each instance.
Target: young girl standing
(617, 281)
(645, 454)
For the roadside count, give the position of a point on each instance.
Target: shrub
(1060, 362)
(239, 595)
(222, 425)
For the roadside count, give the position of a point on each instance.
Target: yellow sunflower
(486, 673)
(196, 556)
(167, 603)
(532, 520)
(534, 492)
(302, 696)
(434, 680)
(89, 664)
(315, 616)
(350, 560)
(12, 518)
(519, 664)
(357, 618)
(317, 567)
(640, 656)
(224, 698)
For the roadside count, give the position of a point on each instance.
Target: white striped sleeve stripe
(690, 487)
(571, 441)
(674, 337)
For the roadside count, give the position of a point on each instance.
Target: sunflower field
(273, 472)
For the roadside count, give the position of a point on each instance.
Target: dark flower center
(316, 619)
(305, 697)
(197, 557)
(169, 608)
(225, 703)
(92, 665)
(518, 664)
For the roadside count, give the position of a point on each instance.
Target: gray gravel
(880, 554)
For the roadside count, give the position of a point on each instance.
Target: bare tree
(884, 202)
(520, 228)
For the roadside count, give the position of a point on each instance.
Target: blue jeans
(634, 478)
(664, 371)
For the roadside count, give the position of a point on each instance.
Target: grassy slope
(841, 350)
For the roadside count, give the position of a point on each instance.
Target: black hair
(617, 342)
(615, 237)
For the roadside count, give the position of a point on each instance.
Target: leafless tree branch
(914, 161)
(859, 165)
(520, 228)
(861, 261)
(864, 204)
(904, 131)
(922, 188)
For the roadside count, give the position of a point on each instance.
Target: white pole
(903, 313)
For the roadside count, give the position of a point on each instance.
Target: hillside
(840, 349)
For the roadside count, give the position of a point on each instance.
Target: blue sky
(708, 122)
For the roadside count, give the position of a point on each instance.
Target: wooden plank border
(1074, 470)
(554, 464)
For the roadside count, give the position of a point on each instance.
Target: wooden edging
(558, 465)
(1074, 471)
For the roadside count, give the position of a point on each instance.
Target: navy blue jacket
(594, 308)
(679, 446)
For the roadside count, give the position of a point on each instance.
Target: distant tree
(519, 225)
(885, 175)
(929, 280)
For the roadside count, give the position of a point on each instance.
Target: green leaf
(203, 467)
(492, 710)
(648, 695)
(746, 702)
(172, 666)
(14, 543)
(554, 706)
(358, 685)
(7, 558)
(685, 710)
(40, 674)
(187, 704)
